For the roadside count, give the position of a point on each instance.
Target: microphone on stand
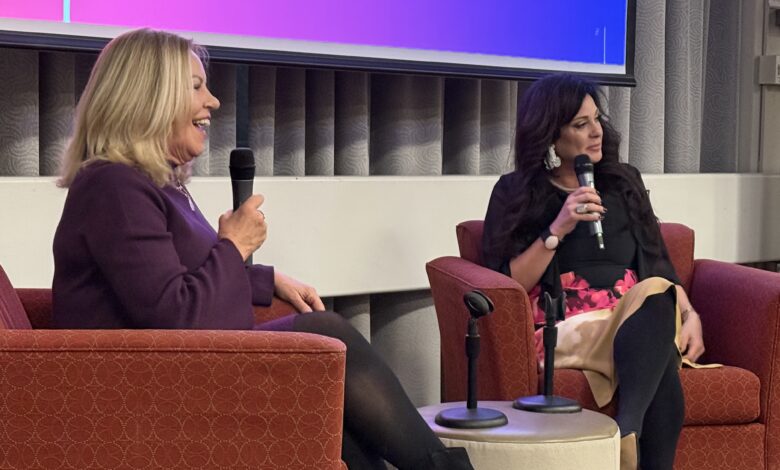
(242, 176)
(584, 169)
(472, 417)
(549, 403)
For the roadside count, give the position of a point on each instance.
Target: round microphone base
(547, 404)
(466, 418)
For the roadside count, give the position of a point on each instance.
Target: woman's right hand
(589, 202)
(245, 227)
(527, 267)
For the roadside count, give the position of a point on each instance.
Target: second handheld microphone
(584, 169)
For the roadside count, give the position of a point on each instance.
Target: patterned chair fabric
(153, 399)
(728, 417)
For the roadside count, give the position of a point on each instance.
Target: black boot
(451, 458)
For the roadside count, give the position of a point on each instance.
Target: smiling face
(189, 135)
(582, 135)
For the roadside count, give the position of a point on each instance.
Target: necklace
(182, 189)
(562, 187)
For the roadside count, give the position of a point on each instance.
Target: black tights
(650, 401)
(379, 419)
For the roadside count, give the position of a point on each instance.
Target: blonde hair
(139, 89)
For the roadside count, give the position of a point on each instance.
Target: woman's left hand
(303, 297)
(691, 340)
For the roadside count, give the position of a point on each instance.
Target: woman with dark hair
(132, 249)
(623, 302)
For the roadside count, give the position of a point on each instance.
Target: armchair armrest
(740, 314)
(507, 360)
(171, 399)
(739, 309)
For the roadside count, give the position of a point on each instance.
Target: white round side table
(535, 441)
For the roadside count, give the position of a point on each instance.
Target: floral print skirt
(585, 339)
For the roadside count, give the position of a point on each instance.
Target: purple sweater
(128, 254)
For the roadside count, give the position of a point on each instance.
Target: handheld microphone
(584, 169)
(242, 176)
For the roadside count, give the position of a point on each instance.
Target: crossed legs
(651, 402)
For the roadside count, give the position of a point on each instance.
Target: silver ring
(581, 208)
(261, 213)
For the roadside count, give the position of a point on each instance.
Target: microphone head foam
(478, 303)
(242, 157)
(242, 163)
(582, 164)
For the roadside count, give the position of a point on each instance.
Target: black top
(627, 244)
(580, 253)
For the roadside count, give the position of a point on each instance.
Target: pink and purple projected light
(508, 33)
(33, 9)
(569, 30)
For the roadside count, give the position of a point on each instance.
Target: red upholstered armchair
(732, 418)
(78, 399)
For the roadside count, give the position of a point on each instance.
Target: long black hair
(543, 110)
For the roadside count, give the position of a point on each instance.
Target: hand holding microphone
(582, 205)
(245, 227)
(245, 224)
(584, 170)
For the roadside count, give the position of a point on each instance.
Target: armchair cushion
(37, 304)
(12, 314)
(726, 395)
(278, 308)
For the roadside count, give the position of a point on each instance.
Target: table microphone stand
(472, 417)
(549, 403)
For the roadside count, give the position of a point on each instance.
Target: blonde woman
(132, 250)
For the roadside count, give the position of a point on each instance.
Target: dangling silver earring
(552, 160)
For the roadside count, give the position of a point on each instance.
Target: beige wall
(364, 235)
